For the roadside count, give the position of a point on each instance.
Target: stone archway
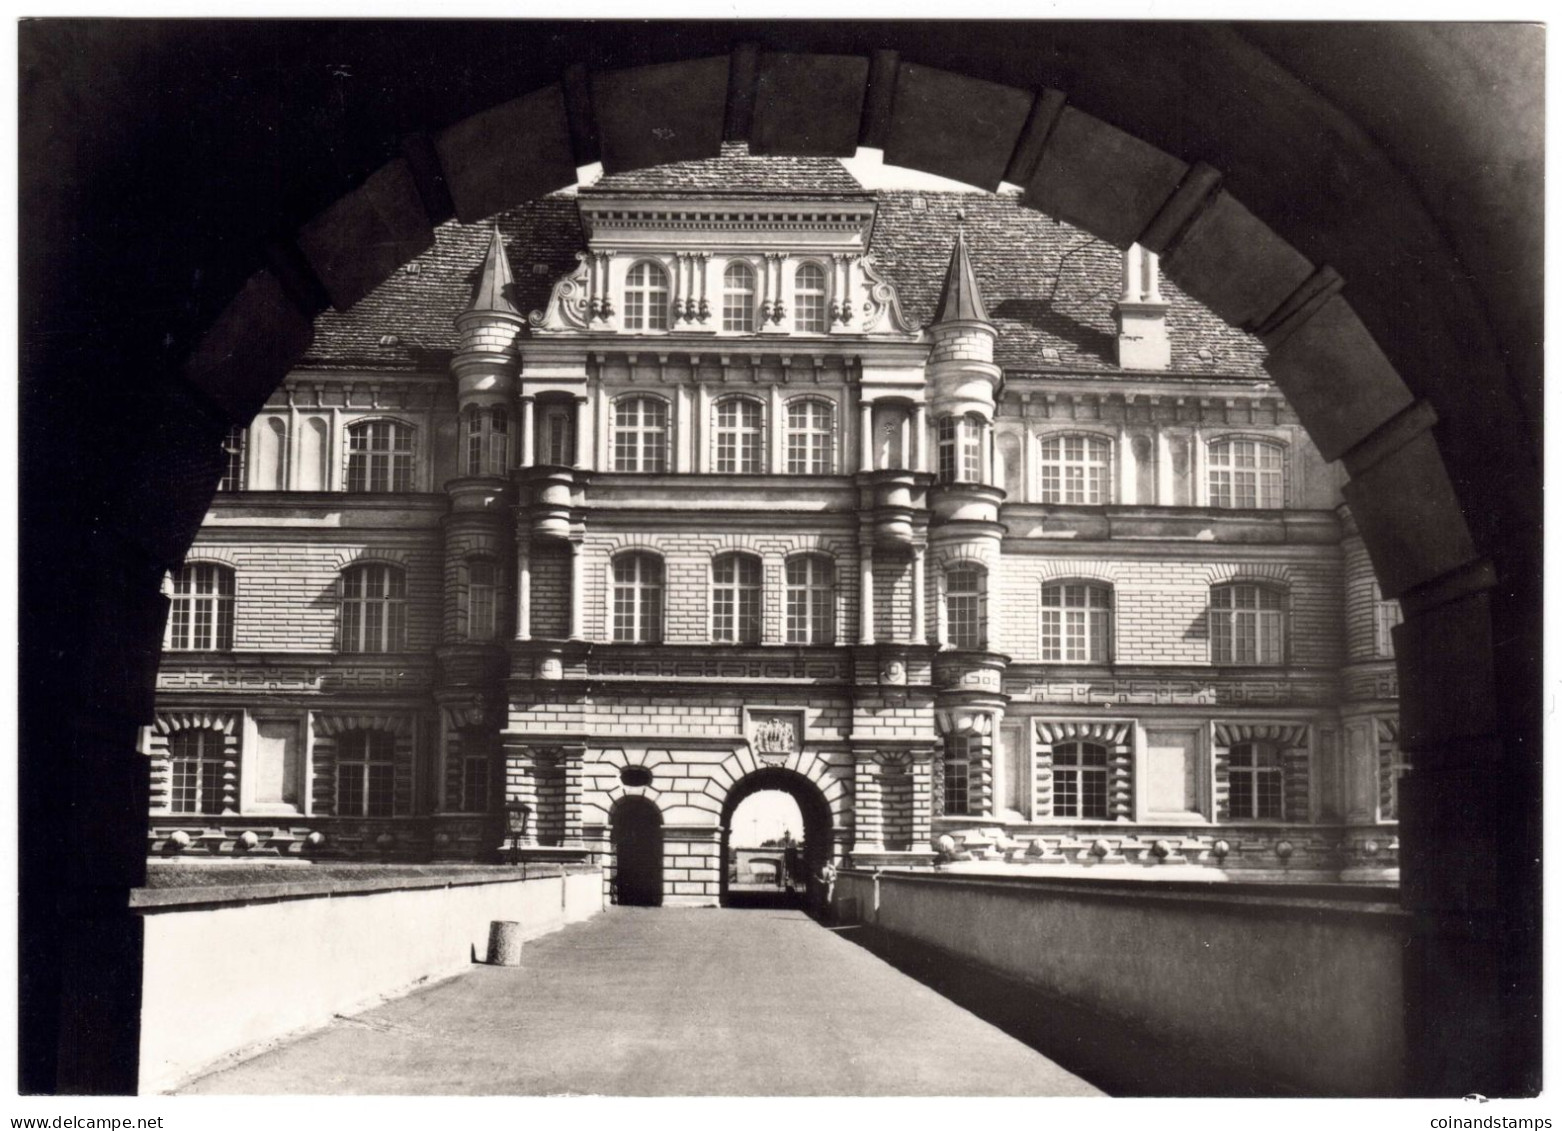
(1471, 816)
(818, 825)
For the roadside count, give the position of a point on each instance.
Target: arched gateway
(818, 827)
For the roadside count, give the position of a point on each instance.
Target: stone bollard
(504, 943)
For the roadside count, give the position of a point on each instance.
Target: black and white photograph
(820, 557)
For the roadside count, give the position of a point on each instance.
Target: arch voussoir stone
(355, 244)
(516, 151)
(1409, 517)
(1102, 179)
(807, 105)
(1335, 376)
(251, 346)
(660, 114)
(1231, 261)
(955, 126)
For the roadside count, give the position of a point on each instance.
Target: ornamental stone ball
(1371, 848)
(1161, 849)
(1100, 847)
(179, 839)
(1221, 849)
(315, 839)
(248, 839)
(1284, 849)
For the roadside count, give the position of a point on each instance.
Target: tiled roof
(735, 171)
(1048, 287)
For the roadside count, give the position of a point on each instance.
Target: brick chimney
(1142, 342)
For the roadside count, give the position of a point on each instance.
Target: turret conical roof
(493, 287)
(961, 298)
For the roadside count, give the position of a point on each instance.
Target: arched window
(487, 440)
(374, 609)
(637, 599)
(810, 600)
(1246, 474)
(740, 436)
(810, 437)
(1076, 623)
(197, 759)
(379, 456)
(735, 599)
(1257, 782)
(481, 599)
(960, 449)
(1076, 470)
(1246, 624)
(958, 750)
(233, 459)
(965, 598)
(200, 615)
(1079, 781)
(808, 299)
(366, 774)
(1385, 615)
(737, 298)
(645, 297)
(640, 434)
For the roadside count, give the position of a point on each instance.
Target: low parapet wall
(1294, 989)
(231, 968)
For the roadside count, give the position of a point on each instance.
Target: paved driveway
(665, 1001)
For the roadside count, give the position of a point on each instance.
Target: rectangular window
(366, 774)
(957, 774)
(1256, 783)
(233, 465)
(1386, 614)
(474, 783)
(1079, 781)
(480, 593)
(1076, 623)
(1247, 625)
(965, 601)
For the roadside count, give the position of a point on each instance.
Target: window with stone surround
(739, 436)
(1076, 470)
(958, 752)
(640, 434)
(1076, 622)
(200, 612)
(374, 609)
(810, 600)
(645, 297)
(1246, 624)
(366, 774)
(1080, 777)
(737, 298)
(809, 299)
(233, 459)
(965, 602)
(960, 448)
(487, 439)
(482, 595)
(736, 599)
(637, 599)
(556, 435)
(1257, 782)
(1246, 474)
(476, 771)
(810, 437)
(379, 456)
(197, 758)
(1385, 615)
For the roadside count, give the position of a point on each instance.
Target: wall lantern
(516, 816)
